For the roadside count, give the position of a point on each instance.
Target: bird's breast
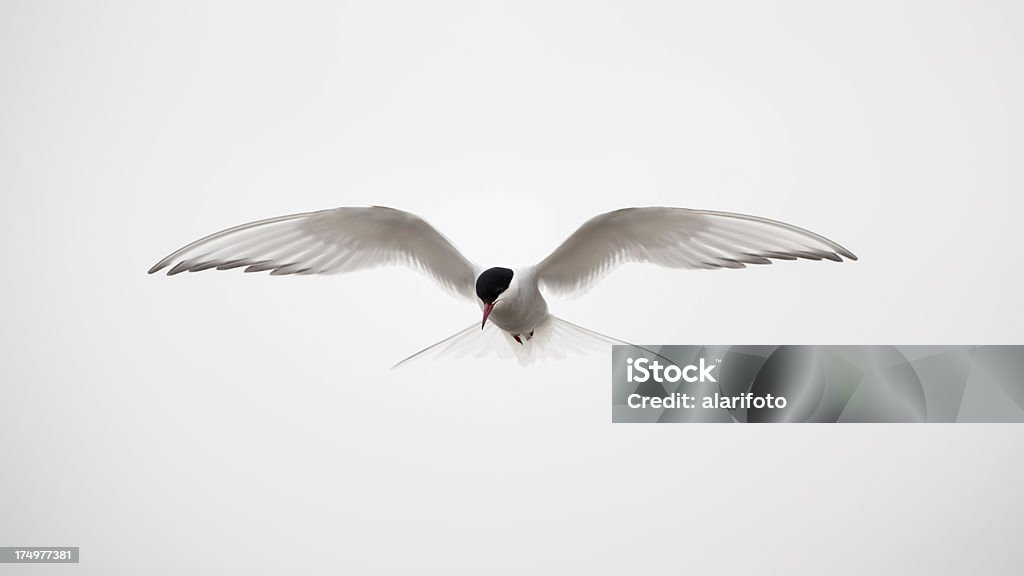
(520, 313)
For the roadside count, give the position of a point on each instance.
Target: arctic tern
(352, 238)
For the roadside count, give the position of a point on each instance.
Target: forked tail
(554, 339)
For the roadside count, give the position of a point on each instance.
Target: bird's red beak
(487, 312)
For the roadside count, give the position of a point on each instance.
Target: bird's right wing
(676, 238)
(330, 242)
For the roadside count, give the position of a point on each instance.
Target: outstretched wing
(329, 242)
(676, 238)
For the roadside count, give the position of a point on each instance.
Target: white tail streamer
(554, 339)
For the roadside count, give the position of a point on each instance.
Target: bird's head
(491, 284)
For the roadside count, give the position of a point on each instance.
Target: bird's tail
(553, 339)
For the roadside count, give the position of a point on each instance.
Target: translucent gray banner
(818, 384)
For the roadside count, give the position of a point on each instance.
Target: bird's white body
(521, 308)
(352, 238)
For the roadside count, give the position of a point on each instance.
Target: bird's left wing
(330, 242)
(676, 238)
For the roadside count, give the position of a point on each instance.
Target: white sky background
(250, 424)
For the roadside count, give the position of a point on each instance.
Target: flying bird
(346, 239)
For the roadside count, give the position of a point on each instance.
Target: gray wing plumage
(677, 238)
(329, 242)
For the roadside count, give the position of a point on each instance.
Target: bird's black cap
(491, 283)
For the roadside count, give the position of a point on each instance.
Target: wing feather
(677, 238)
(329, 242)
